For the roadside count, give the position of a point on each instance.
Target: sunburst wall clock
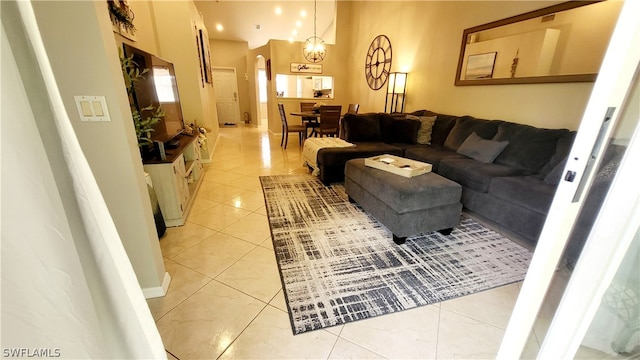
(377, 63)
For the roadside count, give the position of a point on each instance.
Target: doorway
(600, 185)
(225, 84)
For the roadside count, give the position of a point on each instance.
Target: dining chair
(329, 120)
(353, 108)
(286, 128)
(310, 122)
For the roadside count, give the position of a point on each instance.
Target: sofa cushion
(529, 148)
(480, 149)
(563, 146)
(362, 127)
(473, 174)
(527, 191)
(396, 129)
(555, 175)
(465, 126)
(431, 154)
(426, 126)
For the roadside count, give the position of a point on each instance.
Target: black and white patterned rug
(338, 264)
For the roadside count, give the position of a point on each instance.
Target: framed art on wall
(480, 66)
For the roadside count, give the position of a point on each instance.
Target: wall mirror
(560, 43)
(304, 86)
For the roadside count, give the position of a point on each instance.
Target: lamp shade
(396, 91)
(397, 83)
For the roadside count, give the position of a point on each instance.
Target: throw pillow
(426, 126)
(480, 149)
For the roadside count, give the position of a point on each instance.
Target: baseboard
(211, 151)
(158, 291)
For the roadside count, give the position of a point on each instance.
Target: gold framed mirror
(560, 43)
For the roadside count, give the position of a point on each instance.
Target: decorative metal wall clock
(377, 64)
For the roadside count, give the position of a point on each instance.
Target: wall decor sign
(306, 68)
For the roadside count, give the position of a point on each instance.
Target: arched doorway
(261, 93)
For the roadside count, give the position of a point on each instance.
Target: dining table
(308, 117)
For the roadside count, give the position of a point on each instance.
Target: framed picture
(268, 69)
(205, 55)
(480, 66)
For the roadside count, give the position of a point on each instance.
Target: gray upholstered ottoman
(406, 206)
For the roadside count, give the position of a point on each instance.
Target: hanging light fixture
(314, 49)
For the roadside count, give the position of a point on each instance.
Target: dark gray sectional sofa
(515, 190)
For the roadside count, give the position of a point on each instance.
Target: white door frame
(616, 73)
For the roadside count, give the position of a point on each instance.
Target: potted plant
(146, 118)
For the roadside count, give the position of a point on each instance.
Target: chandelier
(314, 49)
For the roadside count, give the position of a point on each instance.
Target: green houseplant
(146, 118)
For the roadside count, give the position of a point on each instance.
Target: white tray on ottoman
(398, 165)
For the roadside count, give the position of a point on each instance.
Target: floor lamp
(396, 89)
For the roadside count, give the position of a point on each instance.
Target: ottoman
(406, 206)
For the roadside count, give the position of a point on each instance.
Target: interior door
(226, 87)
(587, 159)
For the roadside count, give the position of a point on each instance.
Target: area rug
(338, 264)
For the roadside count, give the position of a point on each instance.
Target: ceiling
(256, 21)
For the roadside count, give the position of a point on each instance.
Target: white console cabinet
(176, 179)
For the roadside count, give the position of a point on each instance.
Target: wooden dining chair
(353, 108)
(329, 120)
(286, 128)
(308, 121)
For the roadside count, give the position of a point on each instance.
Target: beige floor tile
(253, 228)
(255, 274)
(200, 204)
(180, 238)
(409, 334)
(279, 301)
(460, 337)
(184, 283)
(269, 337)
(267, 243)
(251, 183)
(347, 350)
(219, 192)
(223, 177)
(250, 200)
(171, 357)
(219, 217)
(493, 306)
(262, 210)
(215, 254)
(205, 324)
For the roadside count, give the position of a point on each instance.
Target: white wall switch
(92, 108)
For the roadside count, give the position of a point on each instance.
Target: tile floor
(225, 299)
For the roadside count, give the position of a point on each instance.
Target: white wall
(58, 273)
(86, 63)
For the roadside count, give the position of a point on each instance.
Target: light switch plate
(92, 108)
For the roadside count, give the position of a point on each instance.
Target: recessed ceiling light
(298, 23)
(219, 27)
(294, 33)
(303, 13)
(278, 10)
